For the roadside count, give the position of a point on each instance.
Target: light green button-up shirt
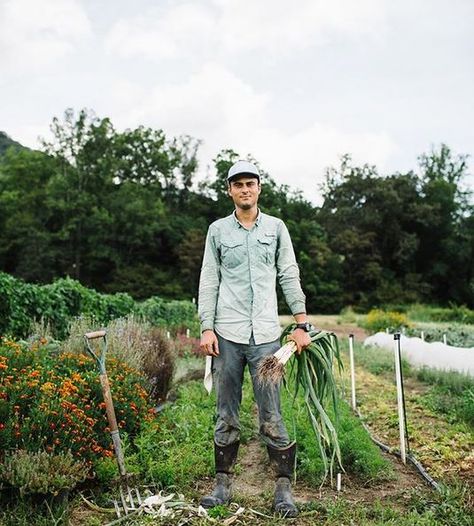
(237, 288)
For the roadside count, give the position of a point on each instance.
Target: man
(244, 254)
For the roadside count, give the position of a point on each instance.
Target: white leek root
(272, 368)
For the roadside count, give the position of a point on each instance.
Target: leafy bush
(42, 472)
(53, 401)
(378, 320)
(452, 394)
(347, 315)
(176, 314)
(456, 334)
(60, 302)
(427, 313)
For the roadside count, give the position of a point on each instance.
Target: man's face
(244, 192)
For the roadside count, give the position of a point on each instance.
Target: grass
(178, 452)
(27, 512)
(443, 443)
(359, 454)
(450, 393)
(179, 449)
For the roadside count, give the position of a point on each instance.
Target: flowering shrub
(53, 401)
(379, 320)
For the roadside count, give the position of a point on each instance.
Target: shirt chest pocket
(266, 247)
(232, 251)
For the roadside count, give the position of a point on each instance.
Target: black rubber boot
(225, 458)
(283, 462)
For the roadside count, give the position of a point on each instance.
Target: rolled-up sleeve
(288, 272)
(208, 283)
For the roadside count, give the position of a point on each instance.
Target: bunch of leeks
(311, 373)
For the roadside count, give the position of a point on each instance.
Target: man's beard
(245, 206)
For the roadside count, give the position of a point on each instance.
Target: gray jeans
(228, 373)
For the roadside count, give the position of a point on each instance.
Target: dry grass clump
(135, 342)
(145, 348)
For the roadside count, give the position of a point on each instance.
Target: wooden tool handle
(95, 334)
(109, 406)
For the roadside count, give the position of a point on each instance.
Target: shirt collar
(257, 221)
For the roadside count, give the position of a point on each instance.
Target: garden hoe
(126, 494)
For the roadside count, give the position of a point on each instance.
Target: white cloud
(36, 33)
(162, 33)
(300, 159)
(277, 26)
(185, 30)
(217, 106)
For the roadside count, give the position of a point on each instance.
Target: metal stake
(351, 358)
(401, 413)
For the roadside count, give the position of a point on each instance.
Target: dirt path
(331, 323)
(254, 484)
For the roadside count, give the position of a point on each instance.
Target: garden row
(58, 303)
(53, 427)
(432, 330)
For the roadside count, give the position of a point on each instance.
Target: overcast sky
(295, 84)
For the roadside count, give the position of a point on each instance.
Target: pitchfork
(126, 493)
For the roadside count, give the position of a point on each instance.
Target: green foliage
(219, 512)
(42, 472)
(404, 237)
(378, 320)
(452, 394)
(7, 142)
(118, 211)
(60, 302)
(457, 335)
(428, 313)
(171, 314)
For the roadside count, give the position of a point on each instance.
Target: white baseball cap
(243, 168)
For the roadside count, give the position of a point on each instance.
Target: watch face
(305, 326)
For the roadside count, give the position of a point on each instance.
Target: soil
(254, 483)
(332, 324)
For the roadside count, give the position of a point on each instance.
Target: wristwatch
(305, 326)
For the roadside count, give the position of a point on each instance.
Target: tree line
(121, 211)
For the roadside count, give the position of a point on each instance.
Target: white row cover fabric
(419, 353)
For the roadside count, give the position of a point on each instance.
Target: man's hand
(301, 338)
(209, 345)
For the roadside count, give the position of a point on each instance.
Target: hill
(6, 142)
